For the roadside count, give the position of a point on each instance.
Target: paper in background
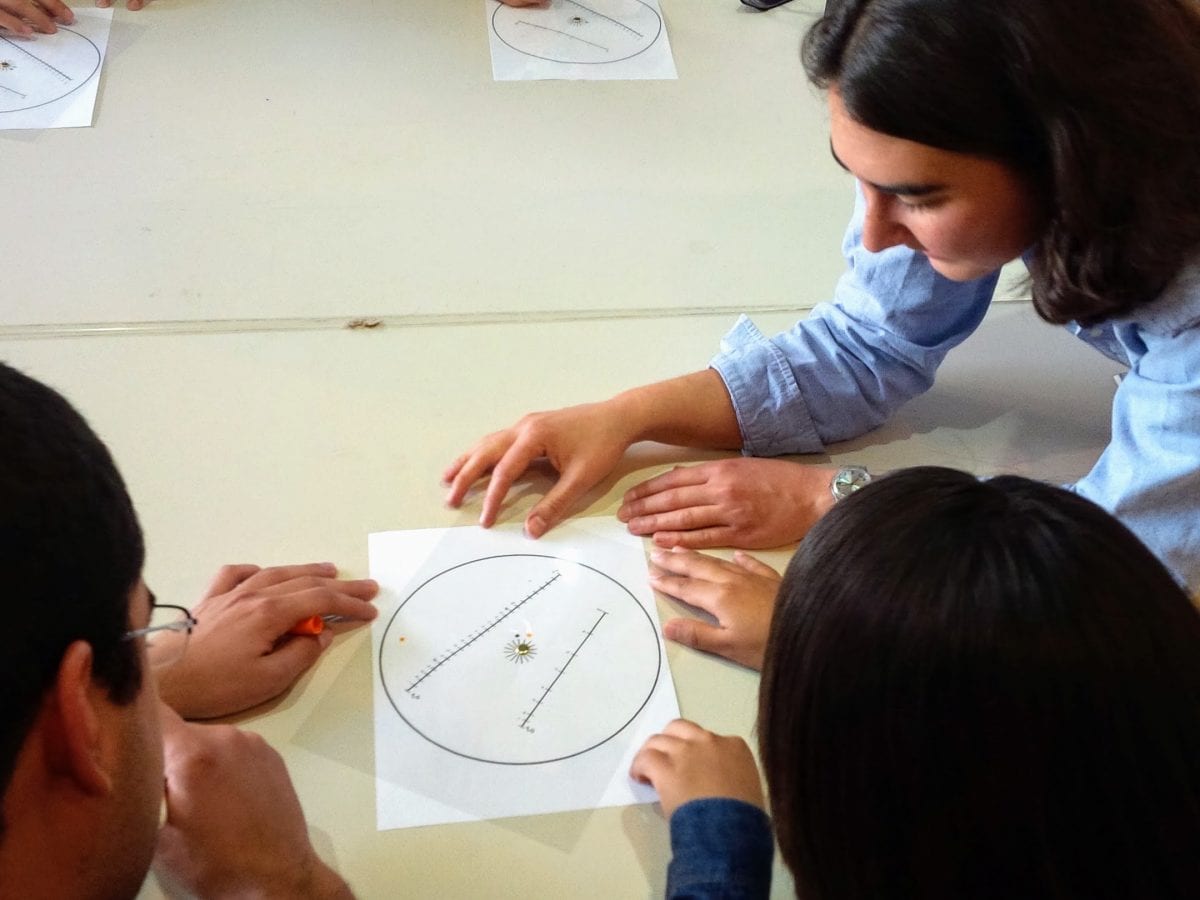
(50, 80)
(579, 40)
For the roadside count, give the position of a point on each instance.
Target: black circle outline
(603, 62)
(540, 762)
(99, 60)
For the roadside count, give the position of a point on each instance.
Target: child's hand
(740, 595)
(240, 653)
(686, 762)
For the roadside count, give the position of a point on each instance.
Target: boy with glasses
(85, 744)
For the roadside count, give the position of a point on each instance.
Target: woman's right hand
(583, 443)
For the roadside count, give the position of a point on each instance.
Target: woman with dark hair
(983, 689)
(1063, 132)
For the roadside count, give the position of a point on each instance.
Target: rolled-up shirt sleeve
(854, 361)
(1149, 474)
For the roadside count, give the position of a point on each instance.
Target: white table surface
(303, 159)
(293, 446)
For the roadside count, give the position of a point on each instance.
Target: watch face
(848, 480)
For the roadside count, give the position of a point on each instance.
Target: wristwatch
(847, 480)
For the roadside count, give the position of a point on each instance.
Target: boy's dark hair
(70, 552)
(986, 690)
(1095, 104)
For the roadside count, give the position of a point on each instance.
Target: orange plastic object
(311, 625)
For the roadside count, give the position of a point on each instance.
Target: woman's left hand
(741, 502)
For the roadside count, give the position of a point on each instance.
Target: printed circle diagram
(520, 659)
(584, 32)
(35, 73)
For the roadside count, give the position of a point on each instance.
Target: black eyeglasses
(166, 618)
(765, 4)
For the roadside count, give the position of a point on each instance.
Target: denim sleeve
(853, 362)
(1149, 475)
(721, 848)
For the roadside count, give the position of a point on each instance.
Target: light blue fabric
(853, 362)
(721, 848)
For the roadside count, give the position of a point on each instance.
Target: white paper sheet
(512, 677)
(50, 80)
(602, 40)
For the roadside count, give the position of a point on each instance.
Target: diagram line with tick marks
(507, 611)
(38, 59)
(11, 91)
(563, 33)
(570, 659)
(616, 22)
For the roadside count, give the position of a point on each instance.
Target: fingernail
(535, 526)
(325, 638)
(656, 554)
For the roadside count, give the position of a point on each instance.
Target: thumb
(292, 658)
(696, 634)
(553, 508)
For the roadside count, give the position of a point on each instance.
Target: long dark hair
(984, 690)
(1096, 104)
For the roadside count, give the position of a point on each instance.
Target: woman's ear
(75, 723)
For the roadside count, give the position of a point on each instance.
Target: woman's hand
(740, 502)
(583, 443)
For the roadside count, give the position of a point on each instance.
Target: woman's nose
(880, 228)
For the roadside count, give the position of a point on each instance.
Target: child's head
(982, 689)
(1093, 104)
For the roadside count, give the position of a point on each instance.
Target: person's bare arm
(584, 443)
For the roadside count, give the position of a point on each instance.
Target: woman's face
(967, 214)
